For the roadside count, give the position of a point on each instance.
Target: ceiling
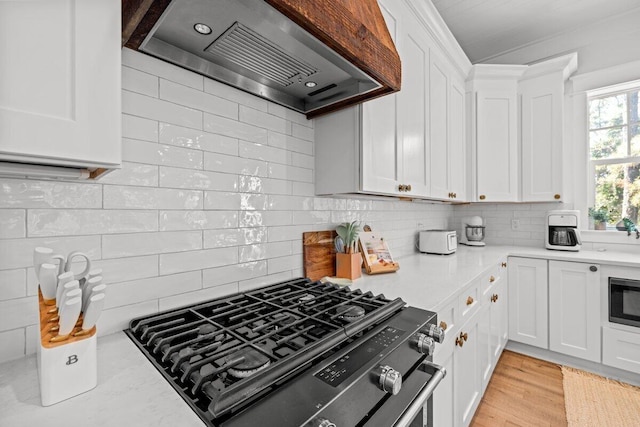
(486, 29)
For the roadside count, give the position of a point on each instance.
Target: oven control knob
(435, 332)
(390, 380)
(424, 344)
(323, 422)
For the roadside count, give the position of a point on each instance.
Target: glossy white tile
(278, 249)
(303, 189)
(197, 139)
(139, 128)
(126, 293)
(288, 114)
(121, 197)
(256, 184)
(198, 100)
(65, 222)
(157, 67)
(13, 284)
(12, 344)
(285, 263)
(12, 223)
(267, 153)
(291, 173)
(157, 109)
(302, 160)
(18, 253)
(247, 285)
(18, 313)
(311, 217)
(134, 150)
(233, 273)
(197, 180)
(232, 164)
(198, 296)
(234, 129)
(290, 203)
(290, 143)
(140, 82)
(117, 319)
(133, 174)
(264, 120)
(227, 92)
(125, 245)
(127, 268)
(197, 260)
(302, 132)
(251, 253)
(234, 237)
(265, 218)
(16, 193)
(197, 220)
(287, 232)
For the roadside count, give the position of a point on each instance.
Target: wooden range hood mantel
(355, 29)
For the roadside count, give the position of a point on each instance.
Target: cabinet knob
(556, 196)
(482, 197)
(492, 279)
(504, 264)
(443, 325)
(402, 187)
(450, 195)
(455, 195)
(469, 300)
(494, 297)
(408, 187)
(593, 268)
(460, 340)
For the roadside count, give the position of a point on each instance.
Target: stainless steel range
(297, 353)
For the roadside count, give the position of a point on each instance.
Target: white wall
(215, 192)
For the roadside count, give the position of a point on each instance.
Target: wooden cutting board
(319, 254)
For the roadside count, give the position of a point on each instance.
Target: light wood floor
(523, 391)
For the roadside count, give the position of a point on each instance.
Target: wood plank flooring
(523, 391)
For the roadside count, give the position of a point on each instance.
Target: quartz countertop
(131, 392)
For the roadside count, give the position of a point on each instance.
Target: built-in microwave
(624, 301)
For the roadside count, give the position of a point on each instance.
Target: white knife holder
(66, 368)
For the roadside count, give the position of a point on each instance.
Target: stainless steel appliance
(562, 231)
(624, 301)
(297, 353)
(473, 231)
(441, 242)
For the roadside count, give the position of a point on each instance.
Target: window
(614, 158)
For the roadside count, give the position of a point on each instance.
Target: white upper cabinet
(60, 84)
(457, 141)
(439, 130)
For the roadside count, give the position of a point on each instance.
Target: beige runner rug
(592, 400)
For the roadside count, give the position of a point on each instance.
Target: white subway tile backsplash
(134, 150)
(12, 344)
(234, 237)
(290, 143)
(264, 120)
(137, 81)
(290, 203)
(233, 273)
(18, 313)
(128, 268)
(267, 153)
(133, 174)
(227, 92)
(157, 109)
(116, 319)
(285, 263)
(197, 180)
(224, 201)
(139, 128)
(247, 285)
(311, 217)
(303, 189)
(126, 245)
(286, 113)
(232, 164)
(291, 173)
(124, 197)
(18, 253)
(302, 160)
(251, 253)
(197, 139)
(12, 223)
(302, 132)
(161, 68)
(13, 284)
(256, 184)
(197, 260)
(16, 193)
(234, 129)
(197, 220)
(287, 232)
(198, 100)
(63, 222)
(198, 296)
(125, 293)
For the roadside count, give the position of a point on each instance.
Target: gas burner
(206, 329)
(306, 298)
(350, 313)
(246, 362)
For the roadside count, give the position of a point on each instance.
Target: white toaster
(442, 242)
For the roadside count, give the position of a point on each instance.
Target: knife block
(67, 368)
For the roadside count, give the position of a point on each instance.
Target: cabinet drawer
(621, 349)
(489, 280)
(469, 301)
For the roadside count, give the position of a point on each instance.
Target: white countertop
(131, 392)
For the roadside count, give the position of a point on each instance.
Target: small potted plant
(600, 217)
(348, 259)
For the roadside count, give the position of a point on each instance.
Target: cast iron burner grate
(222, 354)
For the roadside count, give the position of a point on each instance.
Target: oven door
(406, 408)
(624, 301)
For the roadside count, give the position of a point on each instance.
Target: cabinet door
(60, 84)
(484, 343)
(574, 309)
(466, 364)
(381, 147)
(457, 146)
(443, 396)
(528, 308)
(496, 146)
(499, 319)
(542, 116)
(438, 127)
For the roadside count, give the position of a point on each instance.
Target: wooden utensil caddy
(66, 368)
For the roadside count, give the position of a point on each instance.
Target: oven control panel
(343, 368)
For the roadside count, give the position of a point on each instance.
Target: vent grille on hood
(244, 47)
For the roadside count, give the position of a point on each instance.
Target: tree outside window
(614, 146)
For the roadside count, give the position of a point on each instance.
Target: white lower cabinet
(443, 396)
(466, 364)
(528, 304)
(620, 349)
(574, 301)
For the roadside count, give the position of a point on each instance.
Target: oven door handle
(437, 373)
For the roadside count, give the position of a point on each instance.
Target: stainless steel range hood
(254, 47)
